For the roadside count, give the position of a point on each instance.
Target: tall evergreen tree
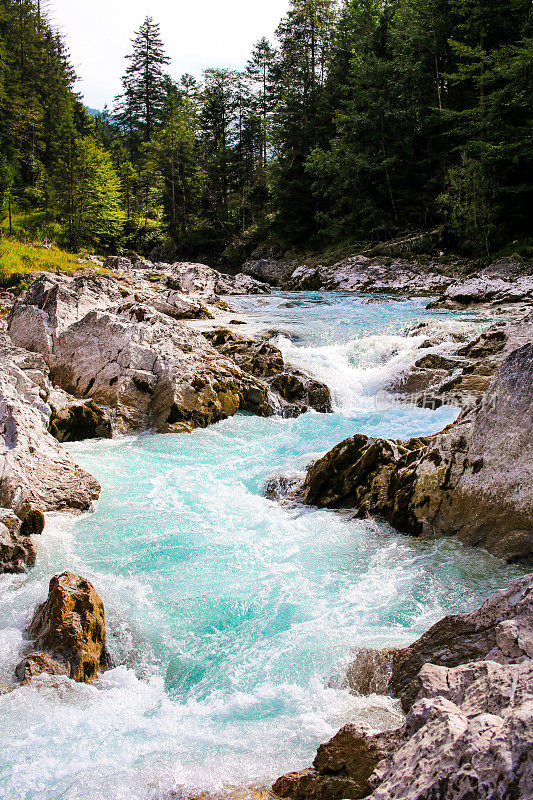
(259, 69)
(141, 104)
(305, 37)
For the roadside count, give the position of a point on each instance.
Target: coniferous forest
(361, 121)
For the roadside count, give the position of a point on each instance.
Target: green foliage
(468, 205)
(369, 118)
(88, 193)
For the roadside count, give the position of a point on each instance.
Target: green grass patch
(18, 259)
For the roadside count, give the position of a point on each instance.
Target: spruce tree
(258, 69)
(142, 102)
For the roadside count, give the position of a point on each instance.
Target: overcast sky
(197, 34)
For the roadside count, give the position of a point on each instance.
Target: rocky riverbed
(504, 286)
(474, 479)
(122, 352)
(94, 355)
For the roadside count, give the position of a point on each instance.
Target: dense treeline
(364, 120)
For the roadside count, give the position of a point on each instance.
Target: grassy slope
(20, 258)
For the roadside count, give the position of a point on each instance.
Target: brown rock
(355, 474)
(32, 522)
(473, 480)
(70, 628)
(370, 671)
(36, 663)
(258, 358)
(302, 392)
(17, 553)
(342, 766)
(296, 392)
(310, 785)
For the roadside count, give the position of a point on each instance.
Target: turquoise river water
(231, 615)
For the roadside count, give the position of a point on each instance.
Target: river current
(232, 616)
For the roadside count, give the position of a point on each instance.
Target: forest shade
(362, 121)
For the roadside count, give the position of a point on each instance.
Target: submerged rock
(302, 392)
(67, 632)
(35, 664)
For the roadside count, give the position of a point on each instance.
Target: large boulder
(67, 632)
(474, 480)
(150, 370)
(35, 471)
(192, 278)
(244, 284)
(179, 306)
(259, 358)
(357, 473)
(273, 271)
(134, 358)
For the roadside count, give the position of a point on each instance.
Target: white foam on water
(356, 370)
(228, 614)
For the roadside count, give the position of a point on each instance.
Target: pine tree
(141, 104)
(305, 37)
(258, 69)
